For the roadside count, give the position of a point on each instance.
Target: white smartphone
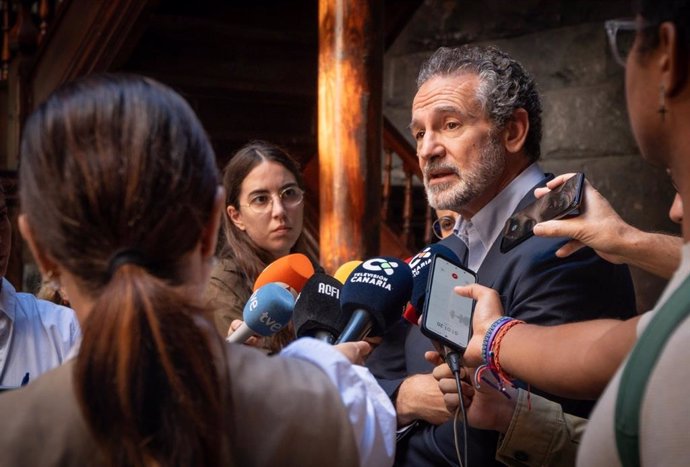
(447, 317)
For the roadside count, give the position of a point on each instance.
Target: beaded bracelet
(490, 348)
(490, 334)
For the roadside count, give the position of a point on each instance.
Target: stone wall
(564, 45)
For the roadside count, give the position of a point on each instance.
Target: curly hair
(504, 85)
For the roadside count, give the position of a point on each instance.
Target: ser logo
(380, 264)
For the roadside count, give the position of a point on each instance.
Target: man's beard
(456, 194)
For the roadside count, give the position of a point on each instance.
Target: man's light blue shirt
(35, 335)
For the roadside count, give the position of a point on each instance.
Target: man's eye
(419, 135)
(452, 125)
(447, 224)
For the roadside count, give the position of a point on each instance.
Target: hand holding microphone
(288, 273)
(268, 310)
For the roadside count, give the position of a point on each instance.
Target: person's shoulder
(283, 375)
(540, 251)
(50, 314)
(43, 425)
(271, 399)
(227, 271)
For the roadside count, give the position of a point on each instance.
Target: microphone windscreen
(318, 307)
(269, 309)
(345, 270)
(293, 270)
(420, 266)
(381, 286)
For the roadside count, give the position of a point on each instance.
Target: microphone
(266, 312)
(317, 309)
(345, 270)
(420, 266)
(292, 270)
(375, 294)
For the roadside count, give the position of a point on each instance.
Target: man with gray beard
(476, 118)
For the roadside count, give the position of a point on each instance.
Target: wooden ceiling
(249, 69)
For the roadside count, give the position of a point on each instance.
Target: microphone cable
(454, 360)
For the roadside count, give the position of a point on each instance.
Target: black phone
(447, 317)
(563, 201)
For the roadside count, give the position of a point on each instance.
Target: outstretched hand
(486, 408)
(356, 352)
(253, 341)
(487, 310)
(598, 225)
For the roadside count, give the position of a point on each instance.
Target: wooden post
(349, 129)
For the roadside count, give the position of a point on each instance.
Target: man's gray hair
(504, 85)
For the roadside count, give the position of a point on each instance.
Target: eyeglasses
(621, 34)
(261, 203)
(443, 226)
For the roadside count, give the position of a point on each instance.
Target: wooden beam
(349, 129)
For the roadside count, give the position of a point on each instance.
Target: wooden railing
(400, 236)
(25, 25)
(396, 146)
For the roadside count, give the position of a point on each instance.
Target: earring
(662, 102)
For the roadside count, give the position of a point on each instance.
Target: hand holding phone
(447, 317)
(563, 201)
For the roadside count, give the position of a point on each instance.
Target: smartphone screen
(447, 316)
(557, 203)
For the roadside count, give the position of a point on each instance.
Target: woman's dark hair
(117, 181)
(250, 258)
(656, 12)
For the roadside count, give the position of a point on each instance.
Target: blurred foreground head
(121, 198)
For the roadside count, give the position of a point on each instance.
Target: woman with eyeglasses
(638, 367)
(121, 200)
(264, 209)
(444, 223)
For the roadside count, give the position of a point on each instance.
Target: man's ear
(46, 264)
(209, 236)
(673, 65)
(515, 132)
(235, 217)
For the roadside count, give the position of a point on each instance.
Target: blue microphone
(266, 312)
(375, 293)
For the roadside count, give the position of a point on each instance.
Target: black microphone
(375, 293)
(317, 309)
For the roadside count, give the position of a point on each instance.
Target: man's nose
(429, 146)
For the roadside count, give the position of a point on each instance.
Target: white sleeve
(369, 408)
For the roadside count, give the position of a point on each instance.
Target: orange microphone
(292, 270)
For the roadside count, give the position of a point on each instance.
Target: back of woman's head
(117, 182)
(250, 258)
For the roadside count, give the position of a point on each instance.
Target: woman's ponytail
(146, 345)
